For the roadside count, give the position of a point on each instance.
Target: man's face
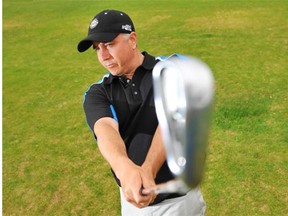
(116, 56)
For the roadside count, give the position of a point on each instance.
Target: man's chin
(114, 72)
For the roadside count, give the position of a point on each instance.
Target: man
(120, 111)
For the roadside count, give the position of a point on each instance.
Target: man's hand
(133, 179)
(138, 178)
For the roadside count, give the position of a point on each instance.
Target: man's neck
(137, 61)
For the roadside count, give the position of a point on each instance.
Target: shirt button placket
(135, 92)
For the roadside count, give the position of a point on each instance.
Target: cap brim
(87, 42)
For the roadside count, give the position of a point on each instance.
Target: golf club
(183, 94)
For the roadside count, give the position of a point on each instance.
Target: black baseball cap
(106, 26)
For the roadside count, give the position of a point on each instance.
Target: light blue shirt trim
(113, 113)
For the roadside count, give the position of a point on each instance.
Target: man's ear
(133, 39)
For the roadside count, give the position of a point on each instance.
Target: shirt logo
(94, 23)
(127, 27)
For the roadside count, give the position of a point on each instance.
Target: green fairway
(51, 164)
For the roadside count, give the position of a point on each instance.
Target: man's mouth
(110, 65)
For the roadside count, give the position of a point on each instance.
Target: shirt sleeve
(97, 105)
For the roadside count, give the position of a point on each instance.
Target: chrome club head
(183, 94)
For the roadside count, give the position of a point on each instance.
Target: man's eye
(108, 45)
(96, 48)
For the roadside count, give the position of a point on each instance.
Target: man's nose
(103, 52)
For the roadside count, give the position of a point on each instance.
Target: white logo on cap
(127, 27)
(94, 23)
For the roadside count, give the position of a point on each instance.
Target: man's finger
(148, 191)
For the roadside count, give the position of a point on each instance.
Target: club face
(183, 92)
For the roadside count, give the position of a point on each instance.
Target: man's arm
(113, 149)
(110, 143)
(156, 155)
(154, 160)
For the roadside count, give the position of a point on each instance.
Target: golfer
(121, 113)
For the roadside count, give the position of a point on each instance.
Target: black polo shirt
(131, 104)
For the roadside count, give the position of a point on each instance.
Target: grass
(51, 164)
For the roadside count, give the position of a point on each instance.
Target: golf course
(50, 161)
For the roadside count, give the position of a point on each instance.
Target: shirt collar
(149, 61)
